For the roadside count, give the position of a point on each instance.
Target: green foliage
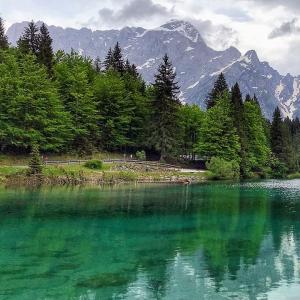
(220, 88)
(66, 102)
(257, 149)
(126, 176)
(279, 169)
(74, 78)
(30, 108)
(141, 155)
(281, 141)
(114, 112)
(35, 163)
(45, 51)
(94, 164)
(191, 120)
(28, 43)
(3, 37)
(218, 136)
(239, 124)
(223, 169)
(165, 106)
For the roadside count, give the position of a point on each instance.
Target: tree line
(65, 102)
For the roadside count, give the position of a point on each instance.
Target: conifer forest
(67, 103)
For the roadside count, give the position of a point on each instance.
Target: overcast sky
(271, 27)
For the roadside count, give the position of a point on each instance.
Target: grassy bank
(110, 173)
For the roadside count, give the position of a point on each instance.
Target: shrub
(141, 155)
(126, 176)
(94, 164)
(279, 169)
(223, 169)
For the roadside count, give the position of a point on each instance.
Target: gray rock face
(196, 64)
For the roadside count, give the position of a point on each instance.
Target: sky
(271, 27)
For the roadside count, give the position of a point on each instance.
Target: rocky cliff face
(196, 64)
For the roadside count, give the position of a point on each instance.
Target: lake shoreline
(82, 178)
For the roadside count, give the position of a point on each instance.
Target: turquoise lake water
(209, 241)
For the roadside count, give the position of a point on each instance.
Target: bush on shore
(94, 164)
(223, 169)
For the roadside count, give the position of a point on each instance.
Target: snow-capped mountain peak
(197, 65)
(184, 28)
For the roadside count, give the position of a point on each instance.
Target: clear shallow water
(211, 241)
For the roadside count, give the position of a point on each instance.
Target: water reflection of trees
(154, 239)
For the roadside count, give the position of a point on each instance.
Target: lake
(208, 241)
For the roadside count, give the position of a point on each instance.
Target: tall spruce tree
(220, 87)
(45, 50)
(239, 123)
(29, 41)
(3, 37)
(277, 138)
(108, 62)
(165, 107)
(117, 59)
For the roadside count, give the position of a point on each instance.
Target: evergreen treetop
(29, 41)
(45, 51)
(220, 87)
(117, 59)
(281, 140)
(3, 37)
(108, 62)
(165, 107)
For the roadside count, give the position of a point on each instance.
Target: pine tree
(29, 41)
(3, 37)
(35, 163)
(45, 51)
(165, 107)
(281, 141)
(220, 87)
(277, 135)
(117, 59)
(239, 123)
(127, 66)
(248, 98)
(108, 62)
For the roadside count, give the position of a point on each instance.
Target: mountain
(197, 65)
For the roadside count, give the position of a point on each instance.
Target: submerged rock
(103, 280)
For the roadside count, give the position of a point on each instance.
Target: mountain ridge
(197, 65)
